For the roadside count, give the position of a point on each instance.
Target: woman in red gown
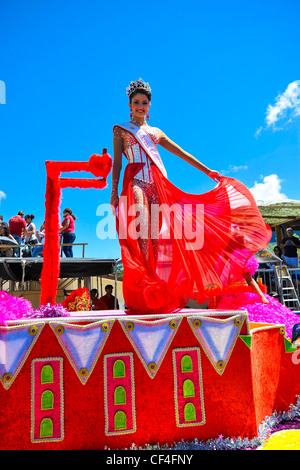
(175, 246)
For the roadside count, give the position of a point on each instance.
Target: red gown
(191, 254)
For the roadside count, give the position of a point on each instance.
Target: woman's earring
(130, 115)
(148, 117)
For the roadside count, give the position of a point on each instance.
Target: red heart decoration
(100, 165)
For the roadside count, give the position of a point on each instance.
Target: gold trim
(129, 326)
(83, 372)
(60, 330)
(197, 323)
(105, 327)
(152, 366)
(33, 330)
(7, 377)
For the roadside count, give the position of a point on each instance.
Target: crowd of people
(21, 230)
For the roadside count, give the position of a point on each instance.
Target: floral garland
(16, 308)
(78, 300)
(49, 311)
(13, 308)
(278, 420)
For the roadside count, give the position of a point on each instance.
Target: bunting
(16, 342)
(217, 337)
(82, 344)
(151, 340)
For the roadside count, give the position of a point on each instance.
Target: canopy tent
(279, 215)
(266, 256)
(29, 269)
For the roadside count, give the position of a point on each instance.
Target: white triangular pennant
(218, 337)
(151, 339)
(16, 343)
(82, 344)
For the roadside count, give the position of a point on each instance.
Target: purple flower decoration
(49, 311)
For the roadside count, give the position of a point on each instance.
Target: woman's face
(139, 106)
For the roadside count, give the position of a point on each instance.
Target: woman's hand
(215, 175)
(264, 300)
(114, 202)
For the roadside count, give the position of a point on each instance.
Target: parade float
(75, 379)
(98, 380)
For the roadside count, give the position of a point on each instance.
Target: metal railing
(17, 247)
(269, 278)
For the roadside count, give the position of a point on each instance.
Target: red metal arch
(100, 167)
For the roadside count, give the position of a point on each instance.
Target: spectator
(96, 303)
(277, 252)
(4, 232)
(38, 250)
(289, 247)
(2, 221)
(29, 232)
(109, 299)
(68, 231)
(16, 226)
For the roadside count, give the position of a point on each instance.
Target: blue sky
(225, 80)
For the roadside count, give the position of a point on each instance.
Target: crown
(137, 84)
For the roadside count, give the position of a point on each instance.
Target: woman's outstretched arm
(172, 147)
(117, 166)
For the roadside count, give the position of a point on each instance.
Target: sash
(146, 143)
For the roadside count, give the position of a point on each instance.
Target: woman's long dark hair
(6, 231)
(278, 247)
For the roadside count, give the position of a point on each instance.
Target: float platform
(99, 380)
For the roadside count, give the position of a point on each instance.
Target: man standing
(289, 247)
(109, 299)
(16, 226)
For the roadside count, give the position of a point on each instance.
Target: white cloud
(2, 195)
(285, 109)
(258, 132)
(234, 169)
(269, 190)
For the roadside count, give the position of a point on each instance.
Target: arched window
(120, 420)
(189, 412)
(188, 389)
(186, 364)
(119, 369)
(46, 428)
(47, 375)
(120, 396)
(47, 400)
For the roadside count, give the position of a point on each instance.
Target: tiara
(137, 84)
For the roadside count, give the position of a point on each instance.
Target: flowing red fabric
(202, 244)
